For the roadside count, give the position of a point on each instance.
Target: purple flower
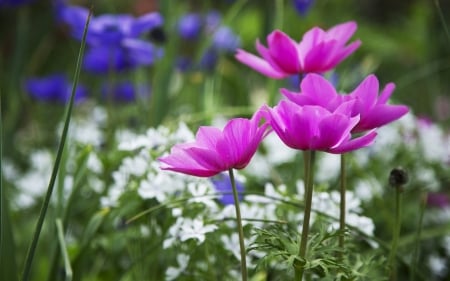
(319, 51)
(439, 200)
(212, 21)
(108, 28)
(14, 3)
(190, 26)
(125, 92)
(113, 40)
(54, 88)
(215, 150)
(223, 186)
(303, 6)
(224, 39)
(371, 107)
(103, 59)
(312, 127)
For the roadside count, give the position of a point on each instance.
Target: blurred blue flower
(223, 186)
(54, 88)
(113, 40)
(209, 59)
(224, 39)
(108, 28)
(125, 91)
(303, 6)
(212, 21)
(14, 3)
(190, 26)
(103, 59)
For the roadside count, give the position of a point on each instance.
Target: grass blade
(63, 247)
(8, 266)
(40, 222)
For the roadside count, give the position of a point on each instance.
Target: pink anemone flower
(313, 127)
(215, 150)
(318, 51)
(371, 107)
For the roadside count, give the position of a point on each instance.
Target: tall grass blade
(8, 266)
(63, 247)
(40, 222)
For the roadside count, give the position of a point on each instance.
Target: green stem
(42, 213)
(309, 180)
(415, 256)
(396, 232)
(343, 185)
(240, 228)
(63, 247)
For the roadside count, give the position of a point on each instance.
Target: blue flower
(303, 6)
(223, 186)
(114, 41)
(103, 59)
(14, 3)
(190, 26)
(54, 88)
(125, 91)
(224, 39)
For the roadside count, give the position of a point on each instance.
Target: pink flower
(216, 150)
(313, 127)
(372, 108)
(318, 51)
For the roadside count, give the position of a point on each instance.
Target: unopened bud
(398, 178)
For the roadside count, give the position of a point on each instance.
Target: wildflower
(372, 109)
(125, 92)
(190, 26)
(14, 3)
(113, 40)
(54, 88)
(224, 39)
(318, 51)
(438, 199)
(312, 127)
(303, 6)
(216, 150)
(223, 186)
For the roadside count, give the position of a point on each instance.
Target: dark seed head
(398, 177)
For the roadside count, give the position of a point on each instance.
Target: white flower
(438, 265)
(173, 272)
(328, 167)
(195, 229)
(186, 228)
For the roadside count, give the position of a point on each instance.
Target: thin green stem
(343, 186)
(442, 19)
(309, 180)
(240, 228)
(396, 232)
(45, 204)
(415, 255)
(63, 247)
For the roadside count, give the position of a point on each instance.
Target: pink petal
(259, 64)
(381, 115)
(208, 136)
(355, 144)
(386, 93)
(317, 86)
(334, 129)
(299, 98)
(283, 51)
(342, 32)
(341, 54)
(366, 94)
(316, 58)
(310, 39)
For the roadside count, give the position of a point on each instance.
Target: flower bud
(398, 178)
